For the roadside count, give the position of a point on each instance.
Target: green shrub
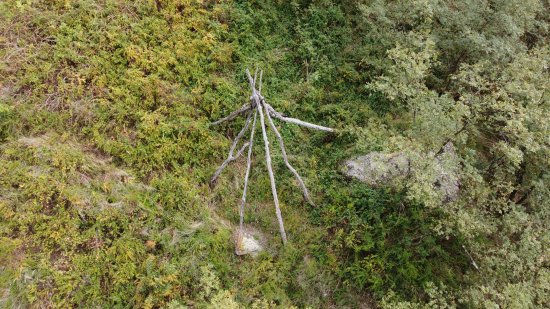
(6, 115)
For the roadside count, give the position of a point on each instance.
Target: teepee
(258, 105)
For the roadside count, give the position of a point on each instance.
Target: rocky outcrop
(379, 168)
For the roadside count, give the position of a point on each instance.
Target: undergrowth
(106, 152)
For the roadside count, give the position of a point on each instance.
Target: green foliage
(476, 75)
(389, 242)
(106, 151)
(135, 85)
(100, 243)
(5, 120)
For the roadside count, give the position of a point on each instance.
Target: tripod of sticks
(258, 105)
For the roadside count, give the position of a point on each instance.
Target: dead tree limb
(270, 171)
(246, 175)
(227, 161)
(260, 87)
(256, 99)
(230, 157)
(299, 122)
(251, 82)
(285, 158)
(474, 264)
(233, 115)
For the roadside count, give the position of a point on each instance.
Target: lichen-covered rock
(447, 180)
(378, 168)
(248, 241)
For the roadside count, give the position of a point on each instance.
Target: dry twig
(230, 157)
(246, 175)
(233, 115)
(285, 158)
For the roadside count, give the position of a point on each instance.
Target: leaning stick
(272, 178)
(252, 83)
(226, 162)
(258, 103)
(248, 163)
(230, 157)
(299, 122)
(471, 258)
(285, 158)
(233, 115)
(283, 150)
(270, 168)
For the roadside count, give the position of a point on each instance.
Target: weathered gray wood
(230, 157)
(246, 175)
(270, 172)
(251, 82)
(233, 115)
(260, 87)
(474, 264)
(287, 163)
(258, 104)
(256, 99)
(299, 122)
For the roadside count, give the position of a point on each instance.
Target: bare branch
(250, 81)
(299, 122)
(227, 161)
(270, 172)
(474, 264)
(247, 174)
(230, 157)
(285, 158)
(233, 115)
(260, 87)
(240, 152)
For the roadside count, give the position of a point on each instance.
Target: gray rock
(249, 241)
(379, 168)
(447, 180)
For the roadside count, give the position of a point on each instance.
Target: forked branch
(231, 157)
(233, 115)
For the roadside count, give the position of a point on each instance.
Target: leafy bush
(5, 119)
